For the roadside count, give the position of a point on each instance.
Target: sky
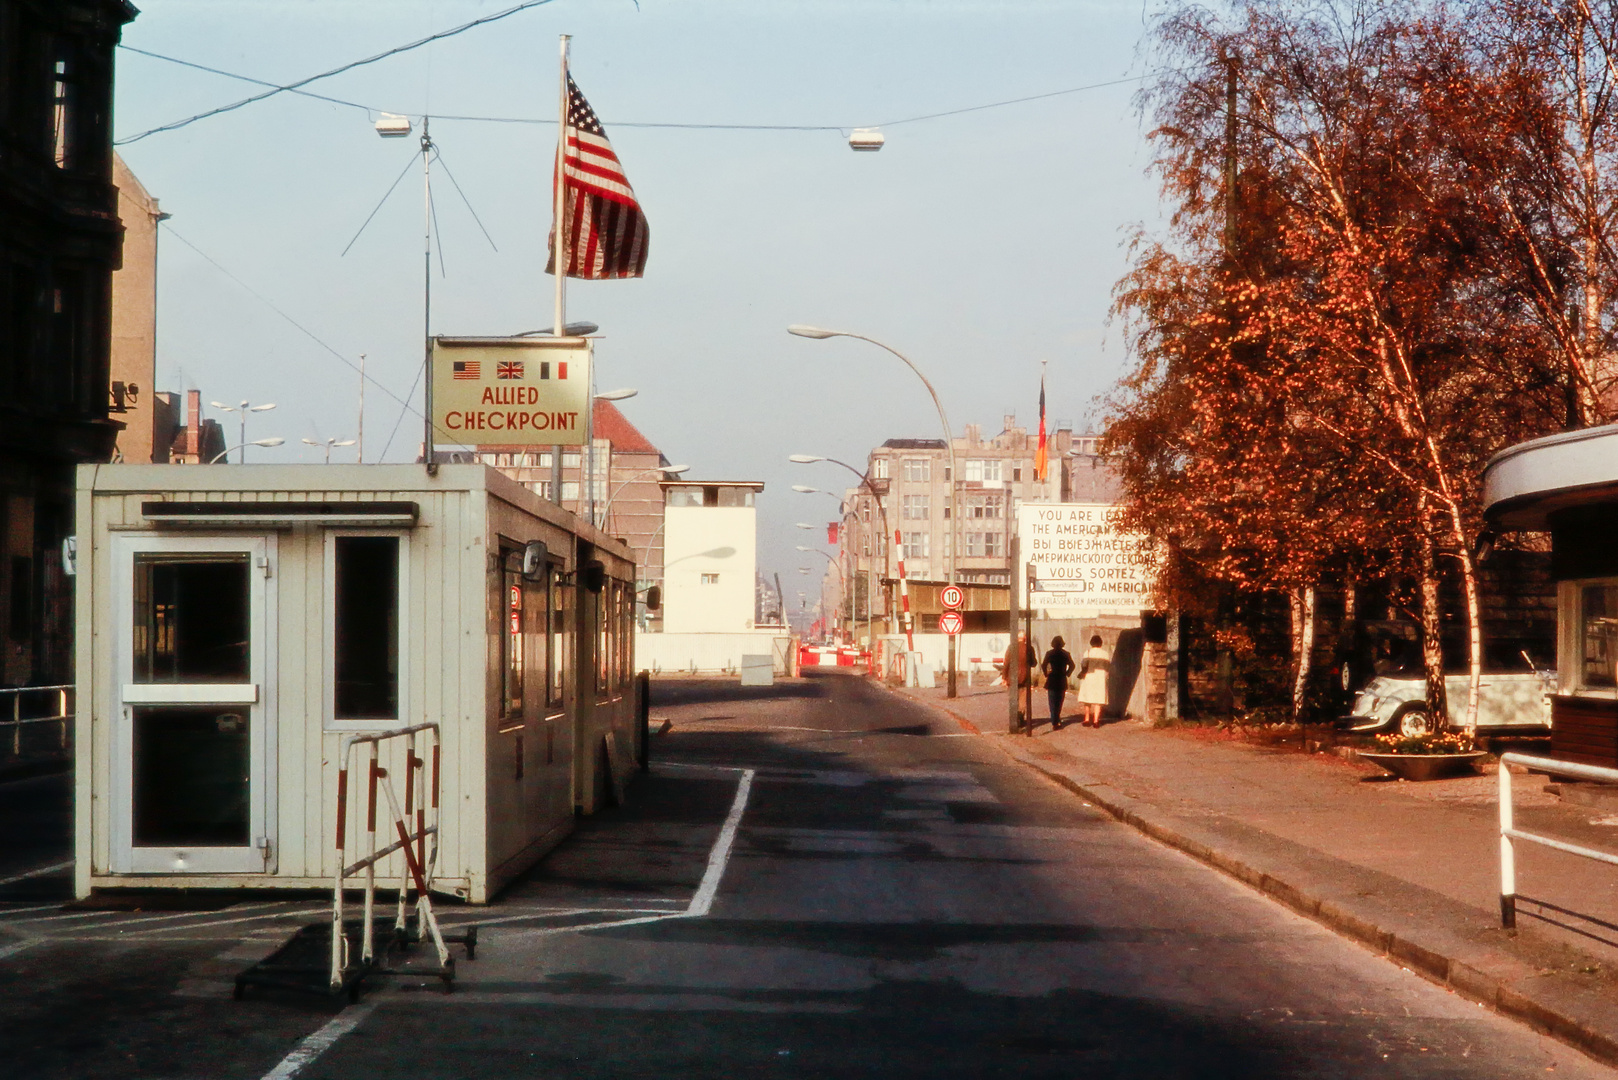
(979, 245)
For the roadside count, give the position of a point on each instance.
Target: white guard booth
(236, 623)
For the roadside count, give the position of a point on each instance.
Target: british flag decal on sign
(508, 369)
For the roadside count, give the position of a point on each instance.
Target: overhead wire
(310, 334)
(551, 120)
(350, 66)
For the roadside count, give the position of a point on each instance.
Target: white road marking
(17, 947)
(132, 922)
(551, 913)
(41, 872)
(225, 922)
(312, 1047)
(35, 907)
(702, 902)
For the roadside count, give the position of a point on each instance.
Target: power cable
(546, 121)
(310, 334)
(441, 35)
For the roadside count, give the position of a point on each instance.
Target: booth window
(191, 619)
(556, 637)
(366, 580)
(1599, 634)
(513, 625)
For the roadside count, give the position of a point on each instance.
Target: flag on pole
(1042, 464)
(605, 232)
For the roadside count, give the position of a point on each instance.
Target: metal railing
(11, 712)
(1509, 833)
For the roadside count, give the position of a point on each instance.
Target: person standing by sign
(1093, 681)
(1020, 659)
(1057, 667)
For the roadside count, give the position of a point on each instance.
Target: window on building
(879, 468)
(710, 579)
(983, 470)
(570, 459)
(545, 461)
(683, 495)
(511, 613)
(1599, 646)
(917, 470)
(915, 507)
(62, 113)
(570, 491)
(982, 505)
(1016, 474)
(558, 629)
(915, 543)
(191, 617)
(735, 496)
(366, 576)
(542, 488)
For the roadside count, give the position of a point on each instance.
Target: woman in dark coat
(1057, 667)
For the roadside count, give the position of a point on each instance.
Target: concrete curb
(1494, 968)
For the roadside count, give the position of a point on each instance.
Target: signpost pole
(1028, 629)
(1013, 669)
(559, 252)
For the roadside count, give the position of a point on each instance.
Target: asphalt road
(818, 879)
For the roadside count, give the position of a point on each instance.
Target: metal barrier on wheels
(1509, 833)
(294, 965)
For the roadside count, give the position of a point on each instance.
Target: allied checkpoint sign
(511, 391)
(1083, 565)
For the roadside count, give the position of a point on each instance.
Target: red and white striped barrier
(420, 861)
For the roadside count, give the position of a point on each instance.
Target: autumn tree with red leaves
(1323, 361)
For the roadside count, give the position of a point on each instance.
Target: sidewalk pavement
(1410, 869)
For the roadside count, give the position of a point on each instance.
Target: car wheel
(1412, 720)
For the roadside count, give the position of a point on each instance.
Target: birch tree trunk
(1303, 645)
(1432, 644)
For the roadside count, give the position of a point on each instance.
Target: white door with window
(194, 716)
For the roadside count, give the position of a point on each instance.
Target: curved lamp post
(842, 582)
(800, 330)
(328, 444)
(665, 470)
(275, 440)
(243, 409)
(882, 512)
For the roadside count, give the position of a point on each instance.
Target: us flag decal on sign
(508, 369)
(468, 369)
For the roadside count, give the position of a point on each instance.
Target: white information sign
(510, 391)
(1083, 564)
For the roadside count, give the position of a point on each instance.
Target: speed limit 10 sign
(950, 622)
(952, 598)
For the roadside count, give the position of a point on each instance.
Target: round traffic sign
(950, 622)
(952, 597)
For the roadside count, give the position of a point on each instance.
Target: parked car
(1514, 701)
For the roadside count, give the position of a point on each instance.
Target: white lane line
(41, 872)
(224, 922)
(311, 1048)
(17, 947)
(702, 902)
(25, 910)
(553, 914)
(718, 858)
(144, 919)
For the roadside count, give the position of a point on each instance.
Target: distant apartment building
(59, 245)
(132, 400)
(624, 475)
(909, 496)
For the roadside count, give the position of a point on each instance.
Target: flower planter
(1425, 766)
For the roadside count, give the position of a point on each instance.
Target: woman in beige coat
(1093, 668)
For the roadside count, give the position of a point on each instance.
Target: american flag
(467, 369)
(508, 369)
(606, 232)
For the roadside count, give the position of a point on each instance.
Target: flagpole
(559, 252)
(427, 294)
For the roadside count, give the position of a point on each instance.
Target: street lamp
(842, 582)
(274, 440)
(243, 409)
(817, 333)
(665, 470)
(882, 511)
(328, 443)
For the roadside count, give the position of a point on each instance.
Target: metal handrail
(1509, 831)
(18, 721)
